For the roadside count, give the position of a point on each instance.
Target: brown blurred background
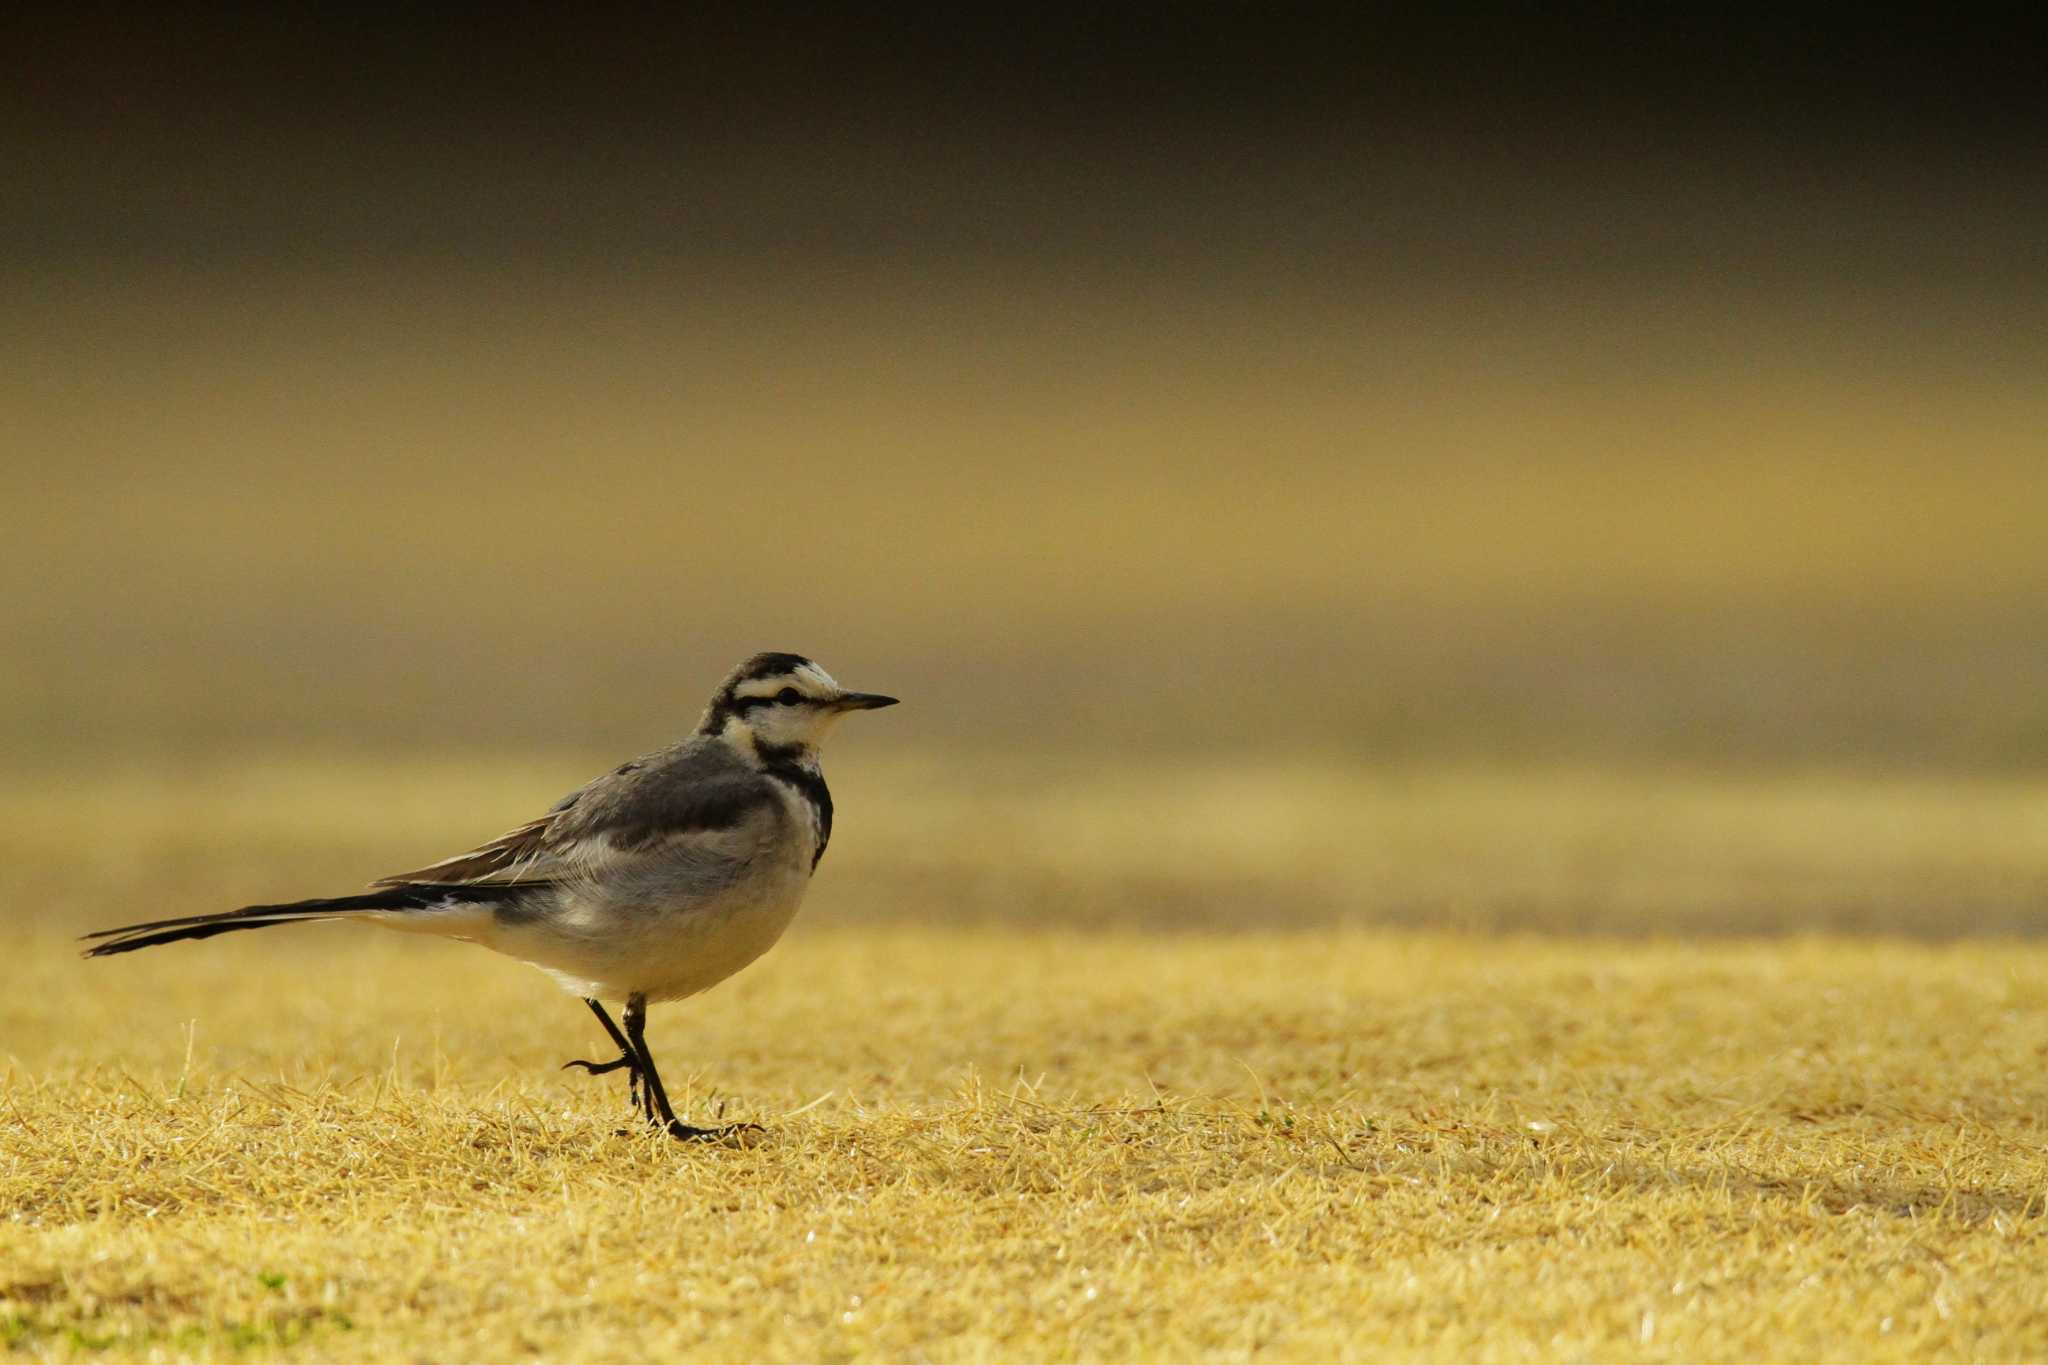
(1211, 383)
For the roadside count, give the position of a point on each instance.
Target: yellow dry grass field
(1115, 1104)
(1437, 814)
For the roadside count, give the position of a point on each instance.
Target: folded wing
(695, 807)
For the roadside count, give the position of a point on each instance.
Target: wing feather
(509, 857)
(697, 802)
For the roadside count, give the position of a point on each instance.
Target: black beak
(863, 701)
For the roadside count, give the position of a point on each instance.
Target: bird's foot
(737, 1133)
(599, 1068)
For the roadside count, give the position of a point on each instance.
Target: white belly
(660, 923)
(600, 948)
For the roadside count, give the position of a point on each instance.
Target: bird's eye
(789, 696)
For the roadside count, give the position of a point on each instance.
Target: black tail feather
(225, 924)
(411, 896)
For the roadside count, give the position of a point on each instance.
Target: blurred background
(1508, 470)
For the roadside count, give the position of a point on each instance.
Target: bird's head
(781, 706)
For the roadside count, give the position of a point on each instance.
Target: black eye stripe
(785, 697)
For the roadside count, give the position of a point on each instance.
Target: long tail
(410, 896)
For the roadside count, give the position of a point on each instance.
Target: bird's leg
(654, 1096)
(627, 1057)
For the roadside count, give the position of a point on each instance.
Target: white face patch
(782, 724)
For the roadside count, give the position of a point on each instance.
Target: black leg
(653, 1095)
(636, 1043)
(627, 1057)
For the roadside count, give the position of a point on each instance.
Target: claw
(599, 1068)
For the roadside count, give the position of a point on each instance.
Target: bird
(650, 883)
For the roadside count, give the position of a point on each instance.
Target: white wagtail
(654, 882)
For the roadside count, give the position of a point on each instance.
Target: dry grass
(1075, 1138)
(1164, 1013)
(988, 1143)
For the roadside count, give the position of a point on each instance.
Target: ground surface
(1095, 1136)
